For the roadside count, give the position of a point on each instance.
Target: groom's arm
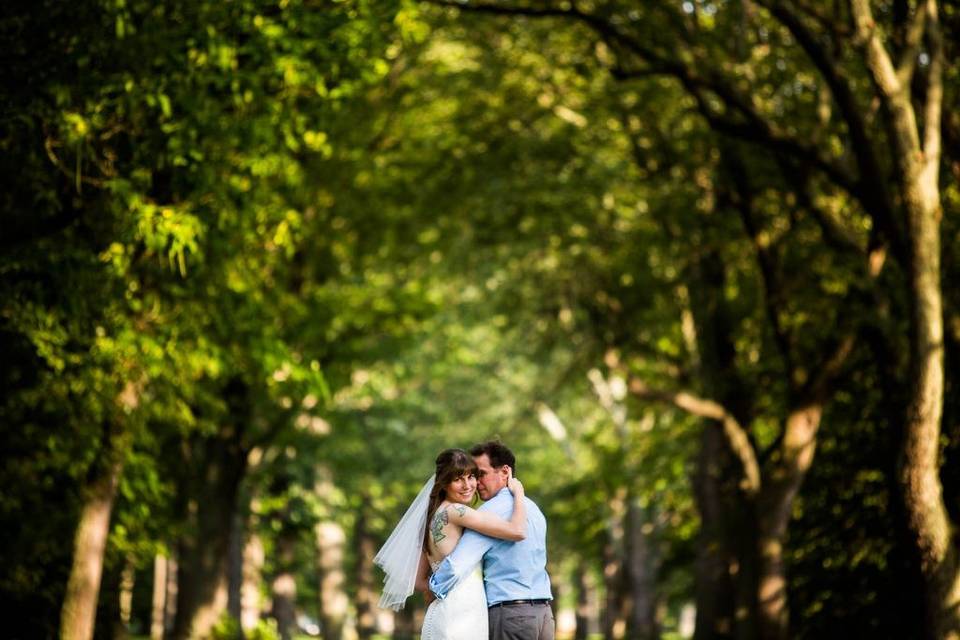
(468, 552)
(465, 556)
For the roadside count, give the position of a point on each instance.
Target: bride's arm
(491, 525)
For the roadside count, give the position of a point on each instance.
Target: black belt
(510, 603)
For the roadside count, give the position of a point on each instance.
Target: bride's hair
(450, 465)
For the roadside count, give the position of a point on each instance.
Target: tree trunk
(127, 579)
(641, 573)
(715, 593)
(213, 471)
(614, 621)
(366, 596)
(202, 580)
(158, 612)
(173, 590)
(235, 569)
(107, 625)
(333, 598)
(250, 605)
(772, 587)
(584, 613)
(744, 566)
(90, 541)
(775, 505)
(284, 585)
(726, 602)
(618, 605)
(78, 615)
(915, 145)
(284, 590)
(202, 583)
(919, 460)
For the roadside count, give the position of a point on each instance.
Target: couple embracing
(483, 571)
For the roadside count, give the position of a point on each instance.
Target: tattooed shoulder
(440, 519)
(462, 510)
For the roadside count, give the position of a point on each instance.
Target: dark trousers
(521, 622)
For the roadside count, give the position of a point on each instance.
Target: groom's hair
(498, 453)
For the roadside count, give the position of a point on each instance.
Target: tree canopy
(693, 261)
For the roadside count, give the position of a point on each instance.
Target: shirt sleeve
(466, 555)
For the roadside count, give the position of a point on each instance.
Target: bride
(414, 549)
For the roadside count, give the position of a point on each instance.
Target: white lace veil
(399, 556)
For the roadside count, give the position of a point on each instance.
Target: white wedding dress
(462, 615)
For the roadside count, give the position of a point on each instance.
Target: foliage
(400, 228)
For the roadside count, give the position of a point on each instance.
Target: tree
(642, 43)
(157, 153)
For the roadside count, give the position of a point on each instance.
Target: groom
(514, 573)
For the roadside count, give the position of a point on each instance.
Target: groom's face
(489, 480)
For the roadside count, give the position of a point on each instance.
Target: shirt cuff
(433, 589)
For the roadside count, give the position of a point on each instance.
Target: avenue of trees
(697, 262)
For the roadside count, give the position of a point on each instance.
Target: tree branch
(735, 434)
(829, 24)
(756, 128)
(830, 368)
(772, 290)
(907, 60)
(871, 189)
(933, 110)
(834, 232)
(878, 59)
(762, 133)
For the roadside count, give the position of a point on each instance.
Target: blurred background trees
(693, 262)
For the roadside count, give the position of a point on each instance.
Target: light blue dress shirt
(511, 570)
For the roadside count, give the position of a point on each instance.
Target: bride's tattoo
(461, 510)
(436, 529)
